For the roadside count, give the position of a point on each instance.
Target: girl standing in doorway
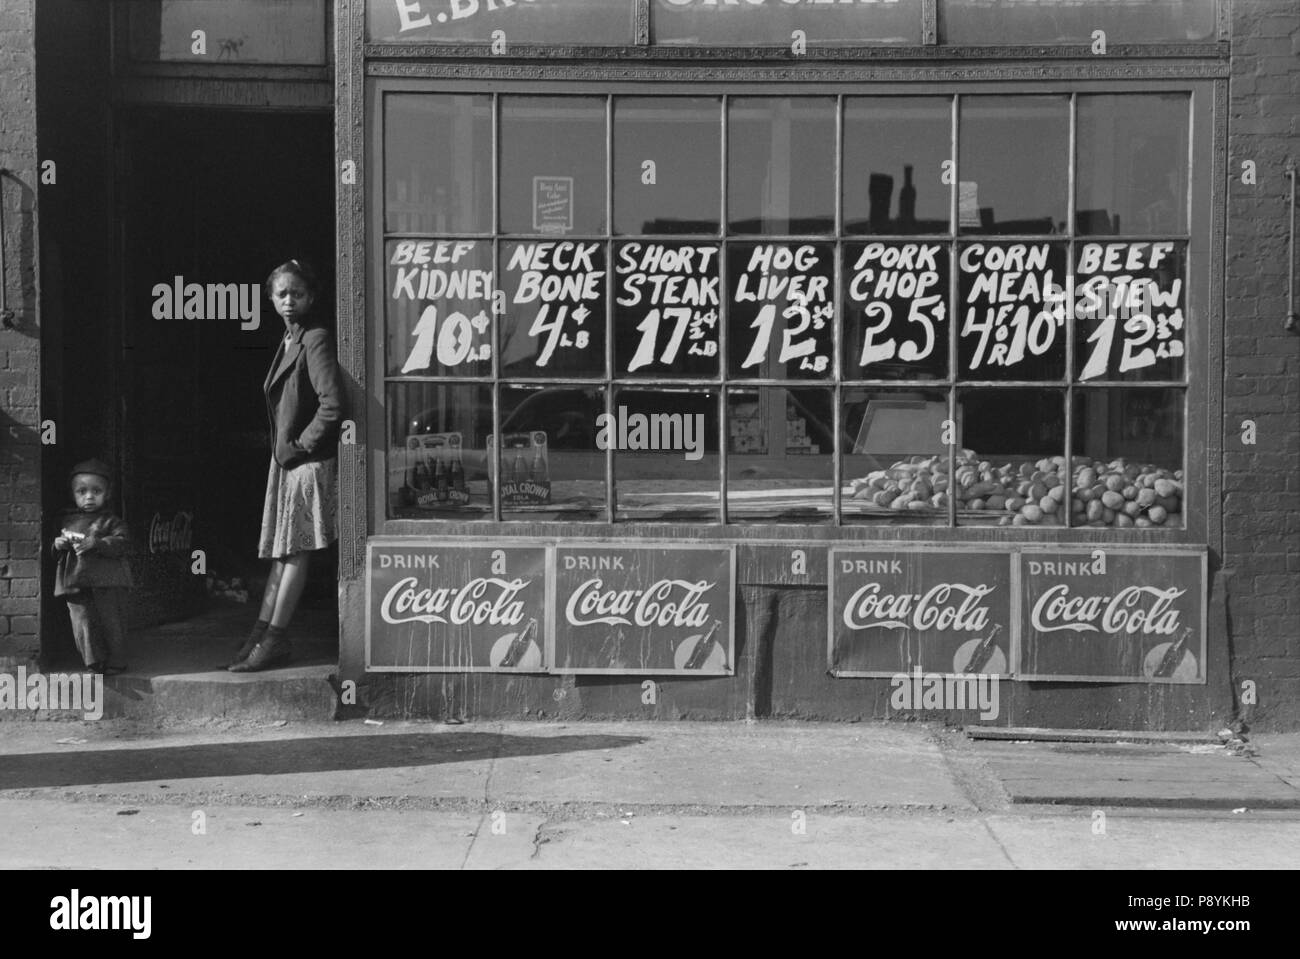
(305, 403)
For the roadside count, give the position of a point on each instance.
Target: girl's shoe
(268, 654)
(245, 649)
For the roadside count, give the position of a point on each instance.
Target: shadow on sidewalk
(283, 757)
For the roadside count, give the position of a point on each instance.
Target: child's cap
(95, 468)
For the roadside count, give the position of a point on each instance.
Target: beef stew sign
(652, 609)
(894, 611)
(1108, 615)
(451, 607)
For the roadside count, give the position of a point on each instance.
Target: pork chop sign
(451, 607)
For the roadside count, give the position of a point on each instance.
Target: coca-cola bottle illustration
(700, 654)
(457, 473)
(1173, 655)
(982, 653)
(439, 480)
(519, 645)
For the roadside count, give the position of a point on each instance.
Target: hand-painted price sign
(645, 609)
(896, 296)
(666, 313)
(1012, 325)
(896, 610)
(1128, 305)
(782, 310)
(555, 313)
(1111, 615)
(449, 607)
(439, 307)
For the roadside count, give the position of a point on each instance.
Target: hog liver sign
(1112, 615)
(450, 607)
(646, 609)
(894, 610)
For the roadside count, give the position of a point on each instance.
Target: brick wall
(20, 451)
(1261, 483)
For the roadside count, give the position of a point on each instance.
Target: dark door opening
(211, 197)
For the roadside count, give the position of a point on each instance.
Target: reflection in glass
(781, 165)
(438, 307)
(666, 313)
(566, 22)
(1128, 458)
(437, 163)
(1014, 165)
(896, 311)
(681, 192)
(437, 451)
(780, 444)
(781, 322)
(731, 23)
(1014, 21)
(552, 165)
(665, 460)
(1011, 457)
(895, 465)
(1132, 166)
(894, 150)
(1011, 311)
(555, 308)
(237, 31)
(1129, 302)
(550, 465)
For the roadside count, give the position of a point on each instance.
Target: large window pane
(782, 310)
(1011, 457)
(895, 463)
(1065, 21)
(553, 165)
(1129, 301)
(667, 165)
(551, 467)
(1011, 313)
(780, 444)
(437, 163)
(896, 311)
(666, 313)
(781, 165)
(1128, 463)
(1014, 166)
(437, 450)
(438, 311)
(1132, 167)
(555, 308)
(666, 454)
(236, 31)
(894, 151)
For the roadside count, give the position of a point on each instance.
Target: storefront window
(567, 22)
(758, 22)
(233, 31)
(607, 321)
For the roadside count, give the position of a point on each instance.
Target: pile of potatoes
(1118, 493)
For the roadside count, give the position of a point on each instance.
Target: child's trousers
(99, 624)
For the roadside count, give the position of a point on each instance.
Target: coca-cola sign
(894, 610)
(648, 609)
(1118, 615)
(450, 607)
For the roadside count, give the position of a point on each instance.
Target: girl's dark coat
(305, 397)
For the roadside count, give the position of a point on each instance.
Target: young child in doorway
(92, 574)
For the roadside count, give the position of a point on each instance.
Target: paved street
(636, 795)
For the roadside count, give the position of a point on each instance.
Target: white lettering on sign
(562, 278)
(1009, 303)
(1056, 610)
(767, 279)
(483, 600)
(886, 273)
(653, 606)
(950, 606)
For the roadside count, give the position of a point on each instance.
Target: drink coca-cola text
(667, 602)
(948, 606)
(1124, 612)
(483, 600)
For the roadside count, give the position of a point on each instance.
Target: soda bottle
(440, 480)
(537, 472)
(521, 468)
(457, 473)
(420, 481)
